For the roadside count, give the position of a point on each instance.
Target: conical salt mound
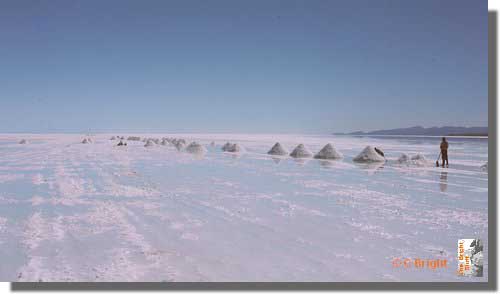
(149, 143)
(369, 154)
(419, 159)
(180, 144)
(404, 158)
(86, 141)
(23, 141)
(328, 152)
(277, 149)
(176, 142)
(164, 142)
(301, 152)
(235, 148)
(226, 146)
(195, 148)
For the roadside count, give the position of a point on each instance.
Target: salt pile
(301, 152)
(195, 148)
(166, 141)
(176, 141)
(149, 143)
(180, 144)
(86, 141)
(328, 152)
(277, 149)
(113, 138)
(154, 140)
(235, 148)
(132, 138)
(369, 154)
(23, 141)
(417, 159)
(121, 143)
(404, 158)
(228, 147)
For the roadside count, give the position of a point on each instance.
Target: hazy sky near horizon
(242, 66)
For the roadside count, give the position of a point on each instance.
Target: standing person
(444, 151)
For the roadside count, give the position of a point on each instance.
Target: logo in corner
(470, 257)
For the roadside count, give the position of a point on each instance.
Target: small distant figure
(444, 152)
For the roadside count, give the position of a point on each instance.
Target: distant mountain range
(421, 131)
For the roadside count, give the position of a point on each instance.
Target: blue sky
(242, 66)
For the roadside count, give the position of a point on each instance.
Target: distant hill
(421, 131)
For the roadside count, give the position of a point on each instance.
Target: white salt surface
(73, 212)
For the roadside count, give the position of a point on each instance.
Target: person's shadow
(443, 183)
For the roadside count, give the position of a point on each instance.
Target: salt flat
(98, 212)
